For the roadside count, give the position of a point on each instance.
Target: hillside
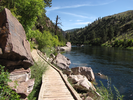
(72, 30)
(109, 28)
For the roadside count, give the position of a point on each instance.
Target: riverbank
(108, 61)
(81, 90)
(122, 43)
(80, 86)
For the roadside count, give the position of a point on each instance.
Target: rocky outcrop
(65, 48)
(81, 83)
(15, 49)
(15, 53)
(62, 62)
(86, 71)
(68, 44)
(20, 75)
(21, 83)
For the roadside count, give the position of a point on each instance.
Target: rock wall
(15, 53)
(15, 49)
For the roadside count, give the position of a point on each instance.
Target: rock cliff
(15, 53)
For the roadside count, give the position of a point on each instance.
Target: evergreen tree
(48, 3)
(68, 36)
(93, 34)
(111, 32)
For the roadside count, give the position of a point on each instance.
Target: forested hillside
(115, 30)
(31, 14)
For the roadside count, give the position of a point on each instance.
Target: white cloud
(80, 5)
(82, 23)
(53, 8)
(73, 6)
(76, 15)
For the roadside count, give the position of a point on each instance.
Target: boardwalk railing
(68, 85)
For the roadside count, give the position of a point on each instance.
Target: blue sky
(79, 13)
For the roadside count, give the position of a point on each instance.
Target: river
(115, 63)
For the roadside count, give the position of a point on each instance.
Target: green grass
(37, 71)
(107, 93)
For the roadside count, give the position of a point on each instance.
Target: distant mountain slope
(109, 28)
(71, 30)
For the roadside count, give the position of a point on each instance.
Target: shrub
(6, 93)
(44, 39)
(107, 93)
(37, 71)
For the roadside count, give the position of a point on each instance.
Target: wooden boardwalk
(54, 85)
(53, 88)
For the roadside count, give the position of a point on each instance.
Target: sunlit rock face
(14, 48)
(86, 71)
(62, 62)
(15, 53)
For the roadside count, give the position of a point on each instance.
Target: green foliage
(44, 39)
(107, 93)
(6, 92)
(31, 14)
(105, 29)
(68, 36)
(48, 51)
(48, 2)
(32, 45)
(25, 10)
(36, 72)
(123, 43)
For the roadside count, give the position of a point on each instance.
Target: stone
(20, 75)
(62, 62)
(0, 51)
(88, 98)
(52, 56)
(22, 88)
(65, 48)
(81, 83)
(15, 48)
(86, 84)
(101, 76)
(86, 71)
(76, 78)
(68, 44)
(95, 95)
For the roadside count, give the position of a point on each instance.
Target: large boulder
(15, 53)
(65, 48)
(24, 84)
(81, 83)
(22, 88)
(14, 48)
(20, 75)
(86, 71)
(62, 62)
(68, 44)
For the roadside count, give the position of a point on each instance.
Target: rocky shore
(81, 78)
